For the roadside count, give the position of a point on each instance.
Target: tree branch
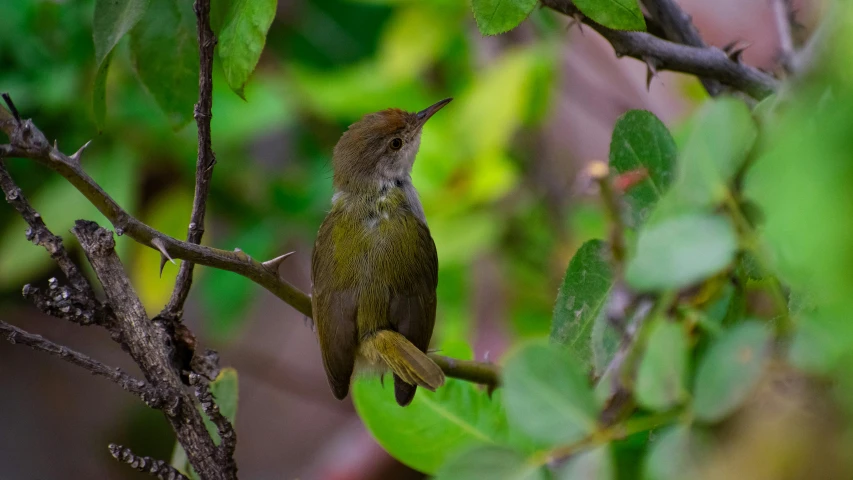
(782, 15)
(137, 387)
(707, 62)
(227, 435)
(205, 161)
(158, 468)
(149, 345)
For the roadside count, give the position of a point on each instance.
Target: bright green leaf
(165, 54)
(581, 298)
(641, 141)
(426, 433)
(244, 33)
(730, 370)
(490, 463)
(548, 395)
(615, 14)
(595, 464)
(499, 16)
(113, 19)
(663, 368)
(680, 251)
(676, 454)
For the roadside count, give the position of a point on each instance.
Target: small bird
(374, 267)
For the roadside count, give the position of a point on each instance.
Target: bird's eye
(397, 143)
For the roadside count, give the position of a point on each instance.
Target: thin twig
(206, 159)
(476, 372)
(678, 27)
(157, 468)
(782, 15)
(135, 386)
(706, 62)
(227, 435)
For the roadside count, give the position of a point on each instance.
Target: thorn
(272, 265)
(729, 46)
(651, 71)
(382, 379)
(736, 54)
(577, 19)
(164, 255)
(79, 153)
(55, 144)
(12, 109)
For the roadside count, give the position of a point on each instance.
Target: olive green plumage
(374, 266)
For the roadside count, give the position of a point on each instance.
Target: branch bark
(704, 62)
(149, 346)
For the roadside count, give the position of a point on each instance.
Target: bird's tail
(405, 359)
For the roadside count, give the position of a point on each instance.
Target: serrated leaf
(112, 21)
(641, 141)
(499, 16)
(730, 370)
(677, 454)
(164, 49)
(548, 395)
(680, 251)
(615, 14)
(595, 464)
(435, 425)
(490, 463)
(244, 33)
(581, 298)
(663, 369)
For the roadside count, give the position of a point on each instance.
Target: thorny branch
(157, 468)
(660, 54)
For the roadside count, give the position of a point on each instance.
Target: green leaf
(677, 454)
(112, 21)
(548, 395)
(164, 49)
(426, 433)
(244, 33)
(595, 464)
(615, 14)
(490, 463)
(730, 370)
(641, 141)
(716, 144)
(663, 370)
(581, 298)
(681, 251)
(499, 16)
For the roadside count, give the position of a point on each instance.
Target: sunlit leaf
(498, 16)
(435, 425)
(663, 369)
(548, 395)
(594, 464)
(615, 14)
(680, 251)
(164, 49)
(242, 39)
(730, 370)
(490, 463)
(412, 40)
(581, 298)
(677, 454)
(641, 141)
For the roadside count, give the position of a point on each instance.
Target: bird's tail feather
(406, 360)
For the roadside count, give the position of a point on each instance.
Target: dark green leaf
(242, 39)
(615, 14)
(548, 395)
(730, 370)
(490, 463)
(165, 54)
(680, 251)
(582, 297)
(595, 464)
(426, 433)
(498, 16)
(663, 369)
(640, 141)
(99, 91)
(677, 454)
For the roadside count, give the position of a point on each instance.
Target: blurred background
(497, 174)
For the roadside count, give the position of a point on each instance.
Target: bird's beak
(424, 114)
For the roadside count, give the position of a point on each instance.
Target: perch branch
(205, 161)
(707, 62)
(782, 15)
(149, 346)
(135, 386)
(157, 468)
(476, 372)
(227, 435)
(29, 142)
